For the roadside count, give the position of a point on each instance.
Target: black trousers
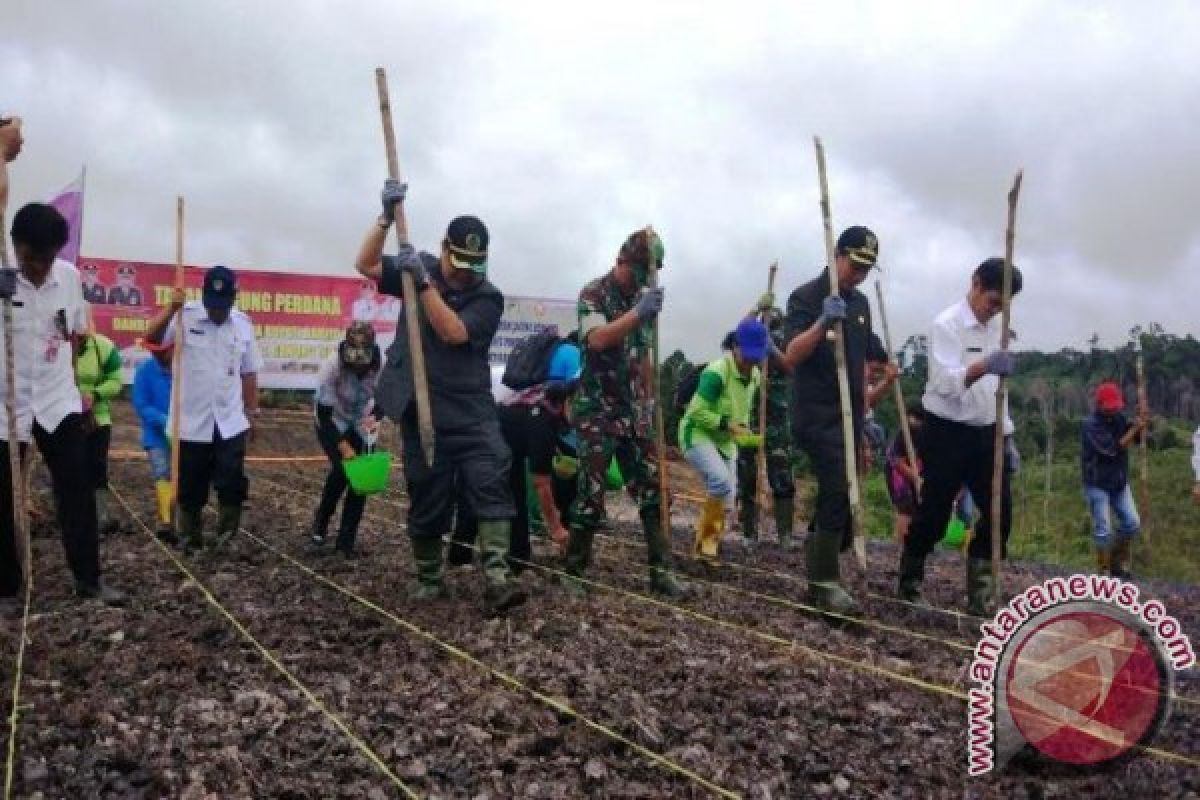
(98, 442)
(470, 465)
(336, 485)
(827, 459)
(520, 549)
(953, 455)
(219, 464)
(65, 453)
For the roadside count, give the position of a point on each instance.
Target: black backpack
(529, 362)
(687, 386)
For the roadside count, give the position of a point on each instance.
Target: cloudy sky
(566, 125)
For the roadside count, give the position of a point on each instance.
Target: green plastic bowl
(368, 473)
(956, 531)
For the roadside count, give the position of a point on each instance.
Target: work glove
(649, 303)
(833, 309)
(998, 362)
(408, 260)
(1012, 456)
(392, 195)
(767, 301)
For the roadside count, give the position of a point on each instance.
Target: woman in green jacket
(716, 423)
(98, 374)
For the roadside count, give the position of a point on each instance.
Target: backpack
(529, 362)
(687, 387)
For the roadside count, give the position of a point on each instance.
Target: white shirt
(1196, 454)
(958, 341)
(44, 319)
(215, 357)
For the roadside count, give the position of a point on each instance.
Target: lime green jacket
(722, 398)
(98, 374)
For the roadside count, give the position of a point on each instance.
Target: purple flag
(69, 203)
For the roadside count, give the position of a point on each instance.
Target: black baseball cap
(220, 288)
(860, 245)
(467, 241)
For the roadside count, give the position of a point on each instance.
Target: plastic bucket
(368, 473)
(616, 481)
(956, 531)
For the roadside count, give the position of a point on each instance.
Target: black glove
(392, 195)
(8, 283)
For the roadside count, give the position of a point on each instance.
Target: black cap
(859, 245)
(220, 288)
(467, 241)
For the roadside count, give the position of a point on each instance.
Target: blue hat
(220, 288)
(565, 366)
(751, 339)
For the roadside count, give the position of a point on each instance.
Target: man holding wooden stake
(49, 313)
(816, 405)
(459, 313)
(613, 407)
(966, 361)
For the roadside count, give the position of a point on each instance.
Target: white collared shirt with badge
(44, 320)
(959, 340)
(215, 357)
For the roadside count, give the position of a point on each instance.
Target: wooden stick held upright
(839, 354)
(660, 437)
(897, 390)
(412, 308)
(1143, 448)
(761, 459)
(1002, 394)
(177, 359)
(20, 506)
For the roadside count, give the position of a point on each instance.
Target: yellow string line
(313, 700)
(18, 672)
(552, 702)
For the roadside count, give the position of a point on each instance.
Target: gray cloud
(566, 128)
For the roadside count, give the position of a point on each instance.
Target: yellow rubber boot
(710, 527)
(162, 492)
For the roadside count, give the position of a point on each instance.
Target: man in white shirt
(49, 312)
(965, 365)
(219, 385)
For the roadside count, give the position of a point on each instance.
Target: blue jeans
(160, 463)
(719, 473)
(1121, 502)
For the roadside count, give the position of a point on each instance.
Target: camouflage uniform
(614, 416)
(778, 442)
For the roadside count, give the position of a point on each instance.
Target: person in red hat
(1107, 435)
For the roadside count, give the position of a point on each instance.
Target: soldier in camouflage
(613, 411)
(778, 442)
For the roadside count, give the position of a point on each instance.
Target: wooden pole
(660, 437)
(839, 354)
(898, 391)
(1143, 448)
(17, 483)
(177, 359)
(412, 308)
(997, 526)
(763, 389)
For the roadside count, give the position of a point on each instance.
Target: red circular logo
(1085, 687)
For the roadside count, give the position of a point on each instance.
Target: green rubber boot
(785, 515)
(501, 591)
(427, 555)
(191, 529)
(229, 520)
(912, 573)
(579, 558)
(980, 587)
(658, 555)
(822, 549)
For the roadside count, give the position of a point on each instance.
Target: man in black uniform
(816, 404)
(459, 313)
(126, 292)
(93, 290)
